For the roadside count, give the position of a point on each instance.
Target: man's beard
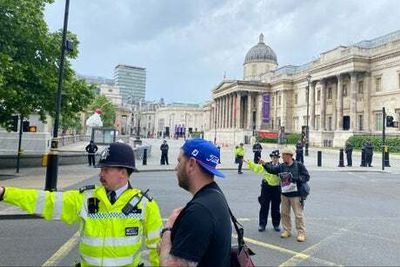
(183, 180)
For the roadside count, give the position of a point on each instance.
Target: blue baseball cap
(205, 153)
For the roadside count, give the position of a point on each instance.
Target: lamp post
(308, 115)
(52, 163)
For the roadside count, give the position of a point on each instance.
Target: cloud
(186, 46)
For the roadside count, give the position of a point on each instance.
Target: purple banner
(265, 109)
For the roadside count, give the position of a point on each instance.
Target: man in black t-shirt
(200, 233)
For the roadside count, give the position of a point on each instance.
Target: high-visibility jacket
(108, 237)
(239, 152)
(271, 179)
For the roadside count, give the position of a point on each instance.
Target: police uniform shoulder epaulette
(86, 187)
(145, 194)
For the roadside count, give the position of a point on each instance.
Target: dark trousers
(349, 159)
(299, 157)
(91, 159)
(164, 158)
(257, 156)
(240, 164)
(368, 159)
(270, 195)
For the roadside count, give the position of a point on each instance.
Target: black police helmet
(275, 153)
(117, 155)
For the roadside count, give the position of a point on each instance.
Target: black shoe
(277, 228)
(261, 228)
(240, 172)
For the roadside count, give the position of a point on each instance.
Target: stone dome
(260, 53)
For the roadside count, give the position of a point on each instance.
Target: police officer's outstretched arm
(50, 205)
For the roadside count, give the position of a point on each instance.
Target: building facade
(179, 120)
(131, 82)
(338, 95)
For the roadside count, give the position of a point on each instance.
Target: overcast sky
(187, 45)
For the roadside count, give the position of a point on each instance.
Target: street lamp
(52, 163)
(308, 105)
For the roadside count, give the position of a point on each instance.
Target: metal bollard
(145, 156)
(341, 158)
(386, 161)
(319, 158)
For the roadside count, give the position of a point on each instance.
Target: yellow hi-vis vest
(108, 237)
(239, 152)
(271, 179)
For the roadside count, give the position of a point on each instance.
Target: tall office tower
(131, 82)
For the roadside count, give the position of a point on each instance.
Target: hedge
(392, 142)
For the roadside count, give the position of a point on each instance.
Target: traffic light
(389, 121)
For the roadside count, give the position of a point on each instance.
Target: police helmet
(117, 155)
(275, 153)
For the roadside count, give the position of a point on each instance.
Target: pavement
(73, 174)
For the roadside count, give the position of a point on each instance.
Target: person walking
(198, 234)
(299, 151)
(116, 220)
(293, 174)
(369, 153)
(349, 151)
(270, 194)
(91, 149)
(239, 154)
(164, 153)
(257, 148)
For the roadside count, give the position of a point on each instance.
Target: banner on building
(265, 109)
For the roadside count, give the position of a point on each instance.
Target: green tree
(107, 108)
(29, 60)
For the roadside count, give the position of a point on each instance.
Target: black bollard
(145, 156)
(341, 158)
(319, 158)
(363, 161)
(386, 161)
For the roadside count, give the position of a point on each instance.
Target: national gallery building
(343, 93)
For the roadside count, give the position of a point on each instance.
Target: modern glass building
(131, 82)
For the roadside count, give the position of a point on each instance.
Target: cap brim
(211, 169)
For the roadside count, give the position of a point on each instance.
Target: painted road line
(63, 251)
(295, 260)
(298, 255)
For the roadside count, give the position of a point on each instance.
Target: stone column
(238, 115)
(276, 111)
(229, 111)
(249, 111)
(367, 101)
(312, 105)
(225, 112)
(353, 101)
(339, 107)
(334, 104)
(219, 113)
(322, 106)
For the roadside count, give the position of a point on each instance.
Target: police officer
(116, 219)
(349, 151)
(270, 194)
(91, 149)
(257, 148)
(164, 153)
(369, 152)
(239, 154)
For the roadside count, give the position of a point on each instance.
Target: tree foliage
(29, 61)
(107, 108)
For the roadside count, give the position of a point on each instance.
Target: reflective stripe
(110, 241)
(108, 261)
(144, 206)
(154, 234)
(57, 205)
(40, 202)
